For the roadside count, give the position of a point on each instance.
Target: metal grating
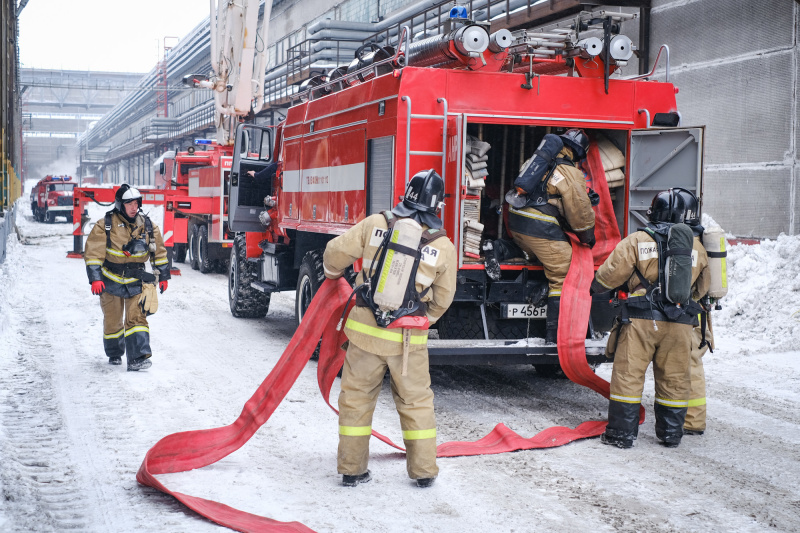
(713, 29)
(749, 203)
(728, 98)
(380, 171)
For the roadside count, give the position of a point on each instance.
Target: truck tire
(309, 280)
(244, 300)
(461, 322)
(179, 252)
(49, 217)
(204, 264)
(193, 247)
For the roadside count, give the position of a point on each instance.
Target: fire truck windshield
(60, 187)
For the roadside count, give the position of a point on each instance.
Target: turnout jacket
(437, 272)
(568, 203)
(106, 261)
(639, 250)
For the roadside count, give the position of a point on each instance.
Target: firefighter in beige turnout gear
(372, 348)
(647, 333)
(116, 251)
(538, 227)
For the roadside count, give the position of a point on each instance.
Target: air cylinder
(715, 245)
(397, 266)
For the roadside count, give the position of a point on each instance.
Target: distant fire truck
(348, 150)
(199, 181)
(51, 197)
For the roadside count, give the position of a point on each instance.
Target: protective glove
(163, 286)
(594, 198)
(98, 287)
(148, 300)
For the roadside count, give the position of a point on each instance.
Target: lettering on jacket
(376, 238)
(430, 255)
(649, 250)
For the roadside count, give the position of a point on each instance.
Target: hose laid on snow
(190, 450)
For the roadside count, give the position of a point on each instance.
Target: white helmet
(126, 194)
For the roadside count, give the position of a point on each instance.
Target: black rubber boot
(141, 363)
(352, 481)
(425, 482)
(551, 322)
(669, 424)
(115, 360)
(494, 252)
(623, 424)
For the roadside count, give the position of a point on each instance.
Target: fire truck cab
(348, 150)
(198, 179)
(52, 197)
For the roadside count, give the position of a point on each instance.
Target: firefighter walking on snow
(556, 203)
(664, 269)
(407, 281)
(117, 249)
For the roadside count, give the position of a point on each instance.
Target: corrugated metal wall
(736, 65)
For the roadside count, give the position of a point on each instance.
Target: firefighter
(373, 348)
(652, 328)
(538, 228)
(702, 341)
(117, 249)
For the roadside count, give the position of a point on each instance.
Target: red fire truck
(51, 197)
(198, 179)
(348, 150)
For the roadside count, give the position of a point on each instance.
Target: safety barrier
(7, 222)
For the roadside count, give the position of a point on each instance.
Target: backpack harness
(133, 270)
(658, 304)
(365, 292)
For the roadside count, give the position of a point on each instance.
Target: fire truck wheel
(180, 253)
(309, 279)
(461, 322)
(244, 300)
(551, 371)
(193, 247)
(204, 263)
(49, 217)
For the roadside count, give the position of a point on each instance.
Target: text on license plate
(523, 311)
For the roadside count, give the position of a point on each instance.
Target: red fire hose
(190, 450)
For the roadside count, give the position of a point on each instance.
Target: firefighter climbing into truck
(474, 105)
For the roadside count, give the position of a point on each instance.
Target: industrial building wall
(736, 65)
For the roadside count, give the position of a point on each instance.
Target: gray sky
(103, 35)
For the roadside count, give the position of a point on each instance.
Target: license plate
(523, 311)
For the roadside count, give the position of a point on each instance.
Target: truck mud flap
(189, 450)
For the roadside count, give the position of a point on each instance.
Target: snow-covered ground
(74, 430)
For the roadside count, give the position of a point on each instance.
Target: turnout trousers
(668, 347)
(555, 257)
(362, 377)
(125, 328)
(696, 413)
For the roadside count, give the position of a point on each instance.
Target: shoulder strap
(108, 216)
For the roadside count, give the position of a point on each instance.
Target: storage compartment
(493, 156)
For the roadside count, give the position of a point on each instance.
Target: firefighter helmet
(674, 206)
(578, 141)
(423, 197)
(126, 194)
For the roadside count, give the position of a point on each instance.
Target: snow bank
(763, 301)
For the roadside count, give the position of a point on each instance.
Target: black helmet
(577, 141)
(691, 206)
(674, 206)
(424, 196)
(126, 194)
